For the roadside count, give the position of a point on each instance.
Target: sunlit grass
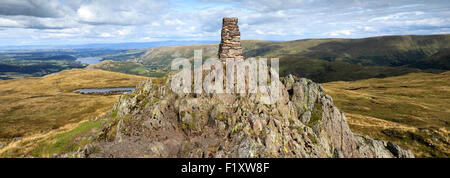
(411, 110)
(67, 141)
(36, 106)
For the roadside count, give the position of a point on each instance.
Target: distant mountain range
(321, 60)
(128, 45)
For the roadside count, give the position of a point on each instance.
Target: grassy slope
(123, 56)
(375, 51)
(348, 59)
(439, 60)
(31, 107)
(412, 110)
(325, 71)
(128, 67)
(161, 57)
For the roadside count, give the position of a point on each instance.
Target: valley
(37, 63)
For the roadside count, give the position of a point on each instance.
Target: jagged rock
(118, 131)
(125, 104)
(305, 117)
(88, 149)
(374, 148)
(399, 152)
(303, 123)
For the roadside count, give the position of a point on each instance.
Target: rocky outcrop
(155, 122)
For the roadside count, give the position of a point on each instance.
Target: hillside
(412, 110)
(374, 51)
(325, 60)
(33, 107)
(324, 71)
(161, 57)
(380, 51)
(439, 60)
(127, 67)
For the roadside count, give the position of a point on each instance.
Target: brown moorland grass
(34, 108)
(412, 110)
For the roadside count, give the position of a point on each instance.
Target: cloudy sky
(42, 22)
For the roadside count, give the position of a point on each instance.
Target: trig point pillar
(230, 45)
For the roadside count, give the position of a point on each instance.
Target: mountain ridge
(373, 57)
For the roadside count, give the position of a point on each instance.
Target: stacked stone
(230, 45)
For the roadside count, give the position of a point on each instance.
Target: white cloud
(173, 22)
(9, 23)
(339, 33)
(259, 32)
(120, 12)
(152, 20)
(106, 35)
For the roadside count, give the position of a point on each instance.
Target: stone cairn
(230, 45)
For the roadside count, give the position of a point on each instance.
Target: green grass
(316, 115)
(312, 138)
(68, 141)
(127, 67)
(410, 110)
(325, 71)
(123, 56)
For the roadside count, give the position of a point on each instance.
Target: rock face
(154, 122)
(230, 45)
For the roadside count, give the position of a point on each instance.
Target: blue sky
(57, 22)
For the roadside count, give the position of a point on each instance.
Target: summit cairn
(230, 45)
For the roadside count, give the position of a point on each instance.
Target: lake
(89, 60)
(121, 90)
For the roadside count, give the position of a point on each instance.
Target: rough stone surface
(230, 45)
(303, 123)
(399, 152)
